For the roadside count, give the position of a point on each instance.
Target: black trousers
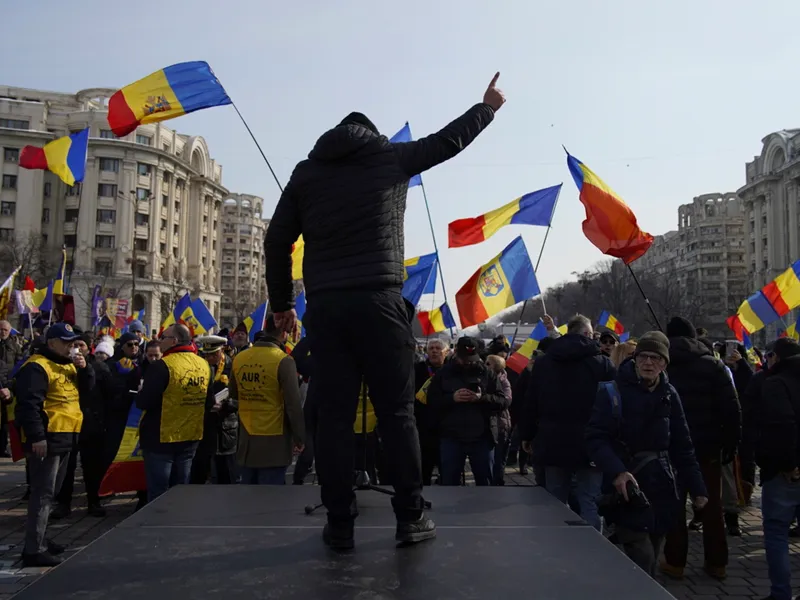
(384, 359)
(91, 448)
(306, 459)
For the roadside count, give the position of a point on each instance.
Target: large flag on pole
(403, 137)
(502, 282)
(126, 473)
(436, 320)
(255, 321)
(520, 359)
(419, 277)
(6, 290)
(610, 225)
(166, 94)
(65, 156)
(59, 285)
(535, 208)
(611, 322)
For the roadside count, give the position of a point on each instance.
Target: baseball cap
(467, 349)
(63, 332)
(607, 333)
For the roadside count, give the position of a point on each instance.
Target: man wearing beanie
(778, 456)
(712, 411)
(639, 438)
(347, 201)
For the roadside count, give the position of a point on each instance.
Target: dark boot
(60, 511)
(95, 510)
(732, 524)
(54, 548)
(43, 559)
(412, 532)
(339, 535)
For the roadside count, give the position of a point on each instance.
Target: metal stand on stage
(362, 478)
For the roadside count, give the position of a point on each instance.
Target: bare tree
(31, 251)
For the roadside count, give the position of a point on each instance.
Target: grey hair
(436, 341)
(579, 324)
(183, 336)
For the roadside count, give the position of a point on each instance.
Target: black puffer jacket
(708, 395)
(778, 445)
(348, 201)
(560, 396)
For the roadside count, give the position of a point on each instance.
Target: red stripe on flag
(124, 477)
(619, 328)
(470, 307)
(425, 321)
(32, 157)
(773, 294)
(611, 226)
(120, 116)
(517, 362)
(735, 325)
(466, 232)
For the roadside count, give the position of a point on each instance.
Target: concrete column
(792, 225)
(758, 204)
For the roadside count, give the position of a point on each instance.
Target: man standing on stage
(348, 201)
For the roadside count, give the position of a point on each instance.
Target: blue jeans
(265, 476)
(588, 481)
(164, 470)
(780, 501)
(454, 454)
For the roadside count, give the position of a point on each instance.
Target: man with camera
(638, 437)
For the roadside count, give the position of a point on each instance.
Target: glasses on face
(131, 345)
(650, 358)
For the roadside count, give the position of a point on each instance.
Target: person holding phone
(468, 400)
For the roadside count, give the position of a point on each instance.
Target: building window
(106, 216)
(6, 235)
(142, 219)
(228, 240)
(177, 205)
(175, 230)
(107, 190)
(163, 224)
(165, 147)
(9, 182)
(74, 190)
(164, 200)
(7, 209)
(214, 245)
(70, 241)
(144, 140)
(140, 270)
(11, 154)
(143, 169)
(15, 124)
(45, 215)
(70, 215)
(47, 188)
(141, 244)
(107, 134)
(102, 268)
(103, 241)
(205, 241)
(142, 194)
(109, 164)
(167, 176)
(205, 219)
(162, 249)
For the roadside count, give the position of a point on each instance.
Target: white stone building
(145, 222)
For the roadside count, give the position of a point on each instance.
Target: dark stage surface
(256, 542)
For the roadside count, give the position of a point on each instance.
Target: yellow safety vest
(372, 419)
(184, 401)
(255, 371)
(62, 403)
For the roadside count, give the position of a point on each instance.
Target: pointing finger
(494, 79)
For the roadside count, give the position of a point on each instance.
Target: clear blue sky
(664, 100)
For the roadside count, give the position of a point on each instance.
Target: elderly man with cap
(221, 422)
(48, 414)
(468, 400)
(638, 437)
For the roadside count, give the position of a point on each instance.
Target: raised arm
(282, 233)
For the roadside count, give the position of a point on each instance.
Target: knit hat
(680, 327)
(136, 326)
(357, 118)
(128, 337)
(785, 348)
(240, 327)
(655, 342)
(105, 348)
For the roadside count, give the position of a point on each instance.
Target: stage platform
(256, 542)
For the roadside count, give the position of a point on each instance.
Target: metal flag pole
(435, 245)
(264, 156)
(646, 299)
(536, 270)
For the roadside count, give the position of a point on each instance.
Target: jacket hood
(684, 349)
(572, 347)
(789, 366)
(343, 141)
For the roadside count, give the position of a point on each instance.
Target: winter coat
(708, 395)
(504, 418)
(95, 403)
(778, 444)
(348, 201)
(467, 421)
(560, 396)
(648, 423)
(424, 414)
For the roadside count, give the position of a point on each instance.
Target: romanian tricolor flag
(756, 312)
(520, 359)
(502, 282)
(255, 321)
(735, 325)
(436, 320)
(624, 337)
(126, 473)
(6, 290)
(793, 331)
(171, 92)
(298, 252)
(610, 225)
(609, 321)
(783, 292)
(181, 306)
(59, 285)
(535, 208)
(419, 277)
(197, 318)
(65, 156)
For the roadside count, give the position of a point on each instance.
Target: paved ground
(747, 571)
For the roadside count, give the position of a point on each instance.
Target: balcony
(162, 236)
(143, 206)
(164, 212)
(142, 231)
(70, 227)
(228, 259)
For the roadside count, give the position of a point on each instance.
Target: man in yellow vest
(271, 419)
(48, 414)
(176, 394)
